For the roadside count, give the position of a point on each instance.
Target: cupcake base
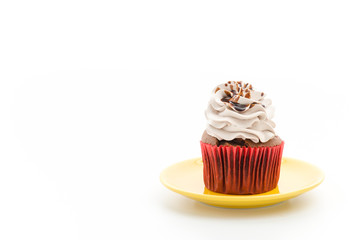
(241, 170)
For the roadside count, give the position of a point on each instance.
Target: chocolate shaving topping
(225, 99)
(234, 99)
(238, 106)
(240, 92)
(228, 93)
(238, 89)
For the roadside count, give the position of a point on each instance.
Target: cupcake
(241, 152)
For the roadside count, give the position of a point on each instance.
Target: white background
(98, 97)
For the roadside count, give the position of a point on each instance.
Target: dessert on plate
(241, 152)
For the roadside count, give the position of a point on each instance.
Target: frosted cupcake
(240, 149)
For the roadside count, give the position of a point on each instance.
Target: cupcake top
(236, 110)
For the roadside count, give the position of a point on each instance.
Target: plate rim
(240, 198)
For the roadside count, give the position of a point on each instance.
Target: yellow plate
(296, 177)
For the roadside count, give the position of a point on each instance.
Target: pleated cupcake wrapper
(241, 170)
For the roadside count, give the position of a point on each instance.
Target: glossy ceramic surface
(296, 177)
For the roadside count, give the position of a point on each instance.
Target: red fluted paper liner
(241, 170)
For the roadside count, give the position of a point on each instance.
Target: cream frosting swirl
(236, 110)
